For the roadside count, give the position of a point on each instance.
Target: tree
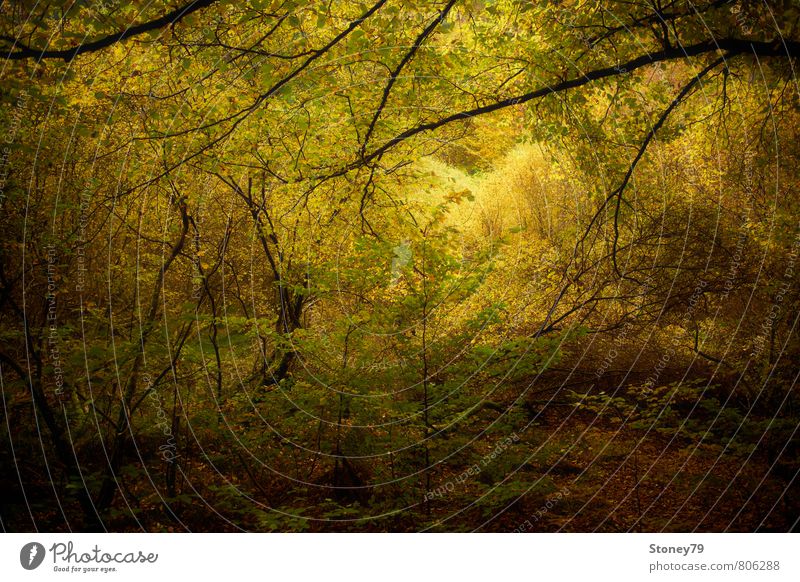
(289, 254)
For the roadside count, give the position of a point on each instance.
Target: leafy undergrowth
(571, 470)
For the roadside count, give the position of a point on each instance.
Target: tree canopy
(398, 266)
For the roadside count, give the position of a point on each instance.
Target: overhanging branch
(25, 52)
(730, 46)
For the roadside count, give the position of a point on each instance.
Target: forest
(399, 266)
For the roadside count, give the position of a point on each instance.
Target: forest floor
(620, 481)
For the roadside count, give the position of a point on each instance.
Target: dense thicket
(290, 266)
